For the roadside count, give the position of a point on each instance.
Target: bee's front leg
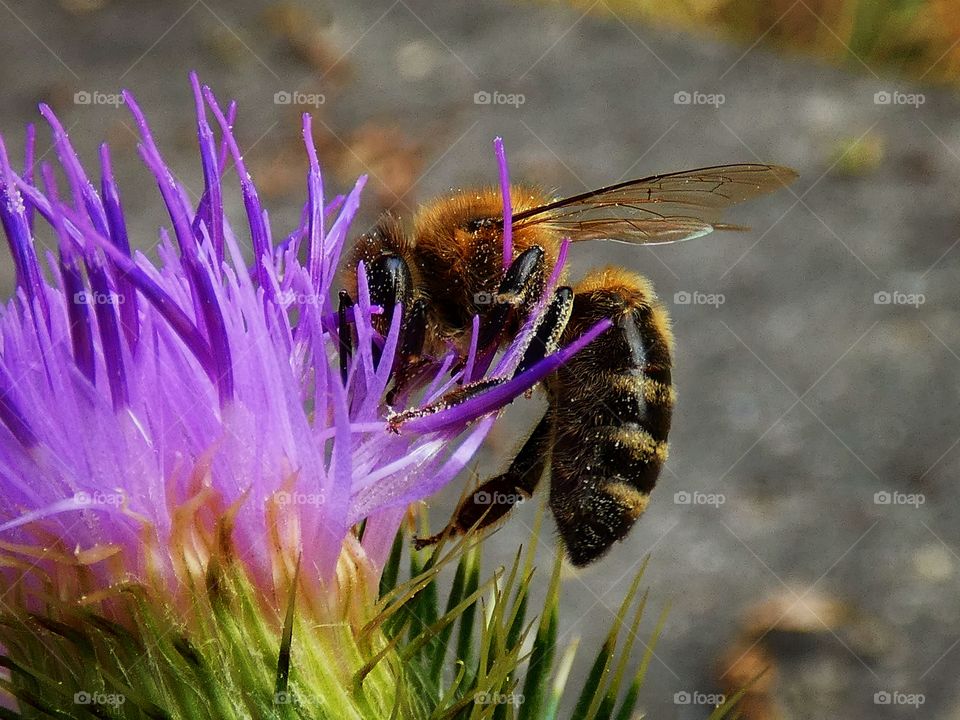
(409, 359)
(522, 283)
(549, 329)
(544, 341)
(344, 334)
(391, 282)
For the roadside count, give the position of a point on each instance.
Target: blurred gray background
(802, 392)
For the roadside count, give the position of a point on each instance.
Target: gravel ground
(801, 393)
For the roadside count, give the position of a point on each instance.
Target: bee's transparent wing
(661, 208)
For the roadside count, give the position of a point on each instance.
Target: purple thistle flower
(132, 389)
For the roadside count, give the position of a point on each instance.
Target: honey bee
(604, 433)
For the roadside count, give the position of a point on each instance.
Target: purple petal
(117, 225)
(507, 207)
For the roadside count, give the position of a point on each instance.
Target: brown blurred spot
(81, 7)
(393, 161)
(308, 38)
(225, 45)
(796, 612)
(750, 665)
(121, 136)
(59, 96)
(283, 171)
(752, 669)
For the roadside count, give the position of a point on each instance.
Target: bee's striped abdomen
(611, 406)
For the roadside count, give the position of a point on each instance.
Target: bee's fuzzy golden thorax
(458, 250)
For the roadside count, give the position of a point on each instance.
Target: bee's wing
(661, 208)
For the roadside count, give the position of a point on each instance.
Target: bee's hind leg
(494, 499)
(489, 503)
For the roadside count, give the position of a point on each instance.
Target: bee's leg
(546, 336)
(522, 282)
(344, 334)
(413, 333)
(390, 283)
(491, 501)
(544, 341)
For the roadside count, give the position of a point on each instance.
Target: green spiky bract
(473, 654)
(481, 657)
(227, 655)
